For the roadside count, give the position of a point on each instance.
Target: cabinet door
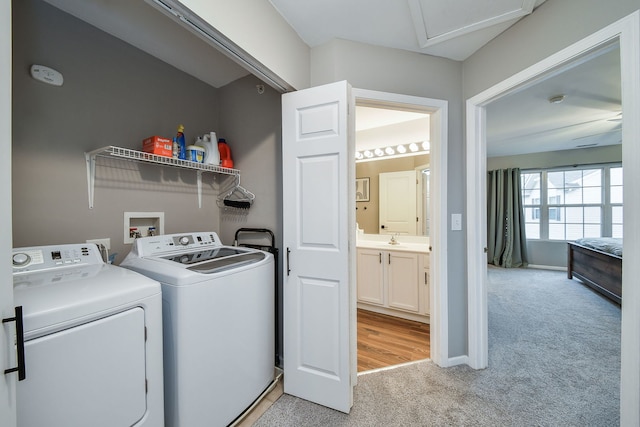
(425, 283)
(370, 276)
(402, 276)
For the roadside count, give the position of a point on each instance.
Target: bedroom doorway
(625, 32)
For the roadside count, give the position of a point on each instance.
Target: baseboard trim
(547, 267)
(458, 360)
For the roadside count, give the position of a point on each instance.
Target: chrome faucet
(393, 240)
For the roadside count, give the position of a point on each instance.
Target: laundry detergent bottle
(182, 146)
(210, 144)
(225, 154)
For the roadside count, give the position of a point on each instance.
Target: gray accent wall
(113, 94)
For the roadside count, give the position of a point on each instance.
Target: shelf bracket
(199, 172)
(91, 176)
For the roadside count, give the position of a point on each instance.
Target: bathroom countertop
(381, 242)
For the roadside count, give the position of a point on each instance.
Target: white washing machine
(218, 317)
(92, 340)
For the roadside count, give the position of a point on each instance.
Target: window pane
(573, 178)
(555, 180)
(616, 214)
(592, 194)
(616, 176)
(592, 215)
(556, 231)
(592, 178)
(592, 230)
(574, 215)
(573, 196)
(616, 231)
(616, 194)
(574, 231)
(531, 197)
(532, 230)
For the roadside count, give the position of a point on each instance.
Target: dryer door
(88, 375)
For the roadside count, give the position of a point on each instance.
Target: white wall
(258, 28)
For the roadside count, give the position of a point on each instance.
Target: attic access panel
(436, 21)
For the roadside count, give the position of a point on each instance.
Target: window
(571, 203)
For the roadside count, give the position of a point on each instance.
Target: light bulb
(390, 151)
(401, 149)
(379, 152)
(413, 147)
(359, 155)
(368, 154)
(426, 145)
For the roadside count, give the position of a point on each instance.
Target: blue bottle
(182, 150)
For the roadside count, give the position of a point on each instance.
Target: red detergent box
(158, 145)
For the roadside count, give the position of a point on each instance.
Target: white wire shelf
(141, 156)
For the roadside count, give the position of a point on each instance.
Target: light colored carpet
(554, 360)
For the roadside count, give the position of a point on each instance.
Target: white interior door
(398, 213)
(318, 211)
(7, 331)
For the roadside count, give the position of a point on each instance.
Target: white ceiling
(452, 29)
(523, 122)
(590, 115)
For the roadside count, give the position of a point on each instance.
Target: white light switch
(456, 222)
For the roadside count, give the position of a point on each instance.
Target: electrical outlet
(106, 242)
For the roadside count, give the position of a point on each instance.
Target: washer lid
(56, 298)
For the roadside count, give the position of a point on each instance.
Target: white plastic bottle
(212, 155)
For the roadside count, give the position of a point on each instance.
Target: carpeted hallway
(554, 360)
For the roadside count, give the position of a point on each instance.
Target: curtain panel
(506, 240)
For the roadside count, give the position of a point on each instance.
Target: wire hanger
(237, 197)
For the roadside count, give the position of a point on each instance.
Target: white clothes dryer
(92, 340)
(218, 313)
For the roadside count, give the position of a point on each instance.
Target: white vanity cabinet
(370, 273)
(402, 280)
(393, 282)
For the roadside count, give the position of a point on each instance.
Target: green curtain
(506, 240)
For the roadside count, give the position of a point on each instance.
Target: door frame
(7, 331)
(627, 32)
(438, 291)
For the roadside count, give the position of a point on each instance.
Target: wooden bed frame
(597, 269)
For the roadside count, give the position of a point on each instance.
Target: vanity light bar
(394, 151)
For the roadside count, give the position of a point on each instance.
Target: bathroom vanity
(393, 279)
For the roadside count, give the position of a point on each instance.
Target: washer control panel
(168, 243)
(55, 256)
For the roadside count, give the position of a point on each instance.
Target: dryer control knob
(184, 240)
(21, 259)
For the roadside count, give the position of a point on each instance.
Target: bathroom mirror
(380, 132)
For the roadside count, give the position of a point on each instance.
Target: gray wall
(397, 71)
(251, 123)
(553, 253)
(113, 94)
(556, 24)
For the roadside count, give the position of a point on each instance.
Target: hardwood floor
(385, 340)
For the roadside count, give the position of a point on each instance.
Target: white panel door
(398, 210)
(318, 211)
(7, 330)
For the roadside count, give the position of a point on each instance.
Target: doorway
(625, 31)
(433, 335)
